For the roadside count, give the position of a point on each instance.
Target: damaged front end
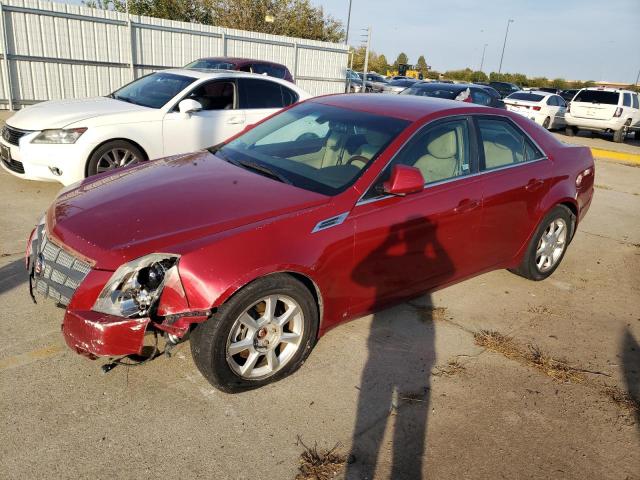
(108, 313)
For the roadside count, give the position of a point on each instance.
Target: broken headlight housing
(135, 287)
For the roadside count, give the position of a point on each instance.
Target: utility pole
(346, 41)
(483, 50)
(509, 22)
(366, 58)
(638, 78)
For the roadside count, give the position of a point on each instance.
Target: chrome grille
(13, 135)
(56, 272)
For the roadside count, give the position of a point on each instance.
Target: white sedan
(164, 113)
(544, 108)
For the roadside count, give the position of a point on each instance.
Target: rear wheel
(112, 155)
(546, 123)
(548, 245)
(619, 135)
(262, 334)
(570, 131)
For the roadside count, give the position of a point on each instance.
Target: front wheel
(112, 155)
(548, 245)
(262, 334)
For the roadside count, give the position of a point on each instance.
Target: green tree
(402, 58)
(294, 18)
(382, 65)
(421, 66)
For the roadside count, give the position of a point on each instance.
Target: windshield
(597, 96)
(212, 64)
(314, 146)
(154, 90)
(529, 97)
(431, 91)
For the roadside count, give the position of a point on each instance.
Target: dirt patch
(449, 370)
(531, 355)
(429, 313)
(539, 309)
(622, 399)
(320, 464)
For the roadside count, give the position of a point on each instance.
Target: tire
(547, 123)
(620, 135)
(570, 131)
(113, 154)
(211, 340)
(529, 268)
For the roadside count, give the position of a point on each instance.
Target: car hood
(60, 113)
(166, 206)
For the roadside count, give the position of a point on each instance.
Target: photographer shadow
(395, 386)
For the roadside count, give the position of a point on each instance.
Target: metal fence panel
(54, 50)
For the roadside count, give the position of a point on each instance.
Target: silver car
(396, 86)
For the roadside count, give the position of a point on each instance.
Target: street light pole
(366, 60)
(483, 50)
(504, 44)
(346, 41)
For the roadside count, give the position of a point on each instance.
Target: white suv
(602, 109)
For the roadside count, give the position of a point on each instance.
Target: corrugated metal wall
(55, 50)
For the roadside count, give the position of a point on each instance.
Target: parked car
(336, 207)
(396, 86)
(546, 109)
(605, 110)
(165, 113)
(261, 67)
(505, 88)
(568, 94)
(547, 90)
(464, 92)
(374, 81)
(354, 83)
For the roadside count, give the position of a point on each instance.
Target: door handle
(534, 184)
(466, 205)
(235, 120)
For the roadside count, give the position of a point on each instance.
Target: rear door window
(255, 93)
(528, 97)
(626, 101)
(552, 101)
(597, 96)
(504, 144)
(480, 97)
(271, 70)
(635, 100)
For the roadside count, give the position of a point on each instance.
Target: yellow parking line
(30, 357)
(624, 157)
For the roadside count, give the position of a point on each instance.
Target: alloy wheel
(551, 245)
(115, 158)
(265, 337)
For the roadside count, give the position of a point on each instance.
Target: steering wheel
(358, 158)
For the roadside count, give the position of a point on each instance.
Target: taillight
(537, 109)
(618, 112)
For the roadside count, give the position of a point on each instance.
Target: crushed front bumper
(95, 334)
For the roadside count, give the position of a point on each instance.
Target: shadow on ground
(395, 386)
(12, 275)
(631, 368)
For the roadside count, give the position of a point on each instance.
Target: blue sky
(573, 39)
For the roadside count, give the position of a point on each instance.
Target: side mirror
(189, 105)
(403, 180)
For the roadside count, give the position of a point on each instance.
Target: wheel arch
(121, 139)
(309, 283)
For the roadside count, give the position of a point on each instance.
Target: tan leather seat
(440, 161)
(503, 150)
(374, 141)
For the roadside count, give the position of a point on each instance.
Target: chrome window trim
(544, 157)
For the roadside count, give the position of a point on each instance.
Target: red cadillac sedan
(334, 208)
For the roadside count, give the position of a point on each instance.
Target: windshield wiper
(213, 150)
(264, 170)
(124, 99)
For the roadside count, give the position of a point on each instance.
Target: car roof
(405, 107)
(609, 89)
(200, 74)
(241, 60)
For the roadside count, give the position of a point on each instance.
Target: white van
(603, 109)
